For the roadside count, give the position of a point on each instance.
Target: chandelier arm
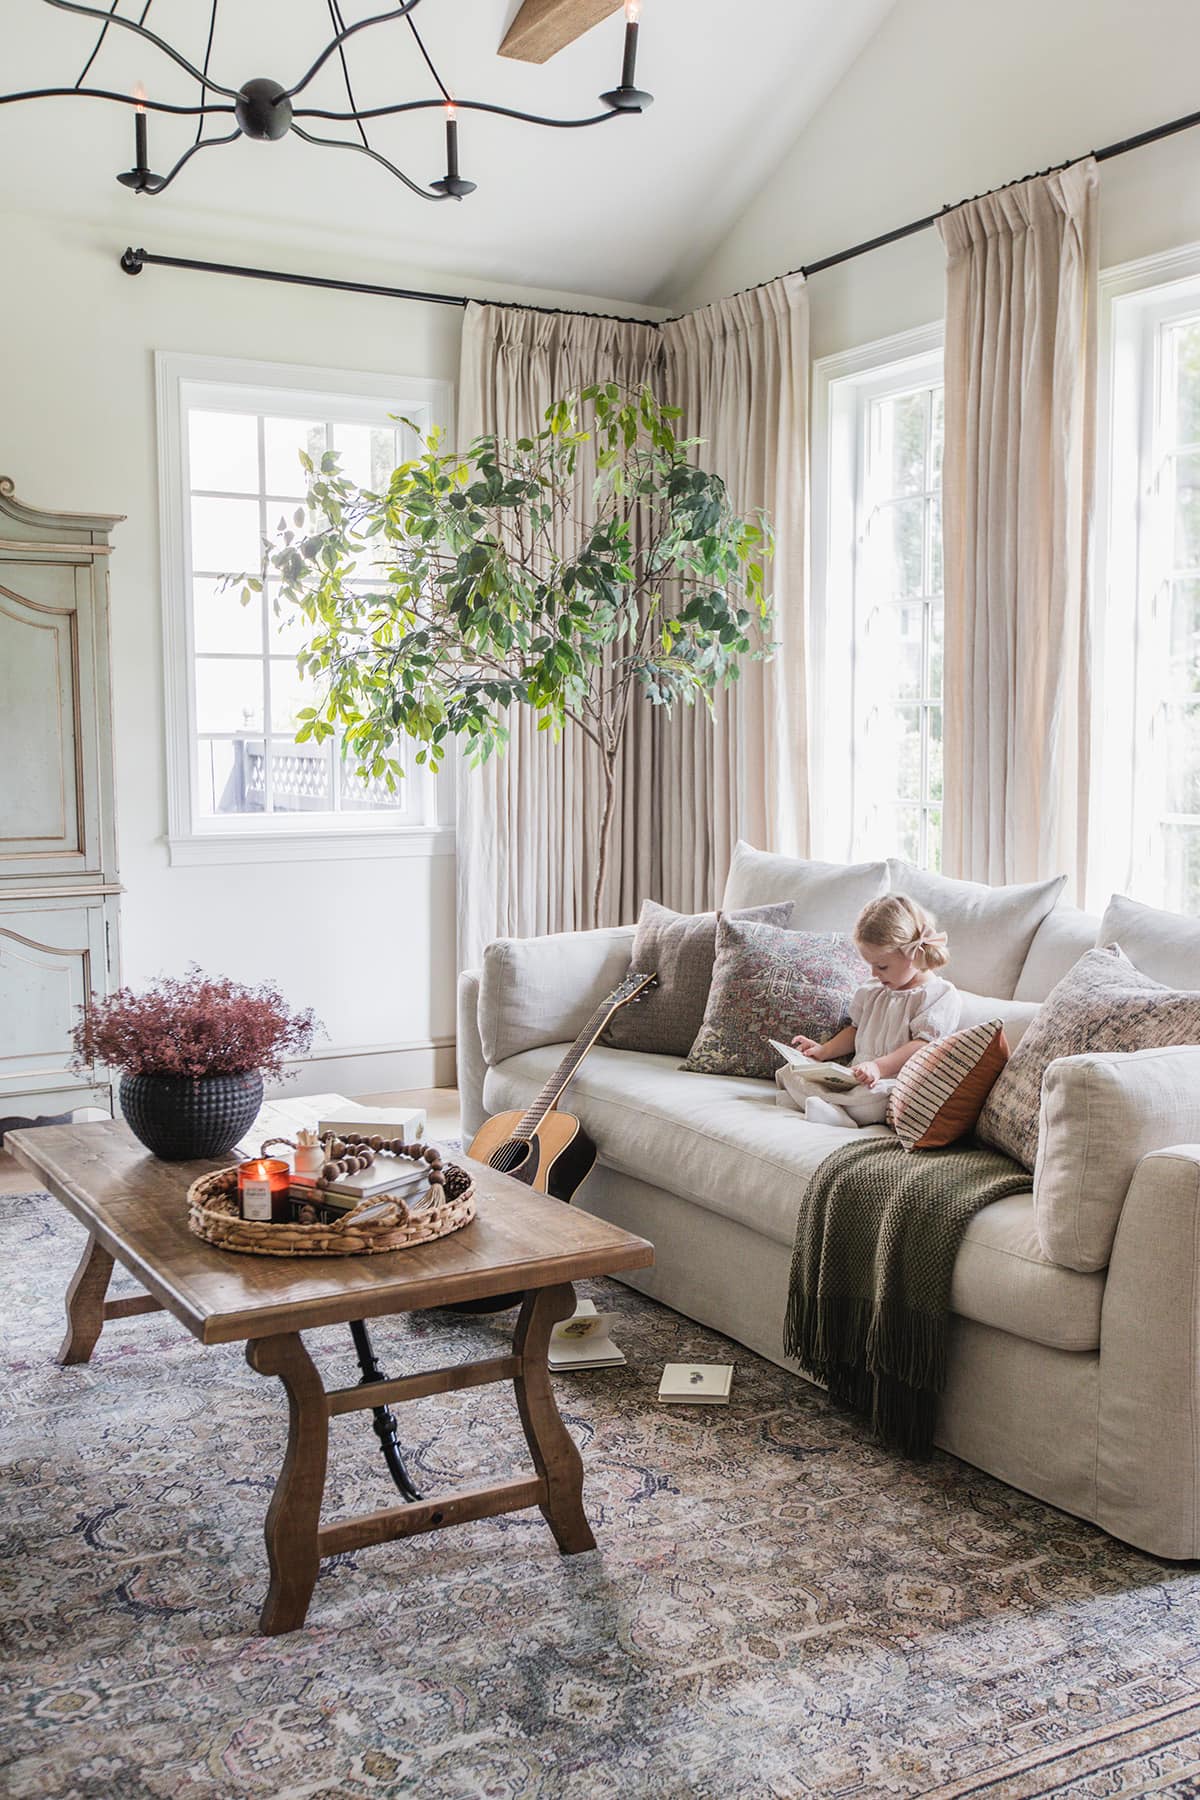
(209, 109)
(429, 64)
(366, 150)
(151, 37)
(97, 46)
(212, 28)
(505, 112)
(200, 144)
(339, 24)
(402, 12)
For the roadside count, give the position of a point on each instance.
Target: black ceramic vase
(180, 1118)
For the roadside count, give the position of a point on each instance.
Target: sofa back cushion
(990, 928)
(1102, 1004)
(1100, 1115)
(769, 983)
(825, 896)
(1016, 1016)
(543, 990)
(1063, 936)
(680, 948)
(1163, 945)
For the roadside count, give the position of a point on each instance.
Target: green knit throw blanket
(878, 1233)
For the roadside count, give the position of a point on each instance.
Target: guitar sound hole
(510, 1156)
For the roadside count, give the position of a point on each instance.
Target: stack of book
(394, 1176)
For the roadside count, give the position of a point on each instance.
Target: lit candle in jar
(263, 1190)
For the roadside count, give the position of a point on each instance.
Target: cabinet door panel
(49, 762)
(52, 959)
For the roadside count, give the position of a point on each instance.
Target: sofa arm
(543, 990)
(1147, 1477)
(1102, 1113)
(468, 1056)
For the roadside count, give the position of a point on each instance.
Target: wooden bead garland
(348, 1154)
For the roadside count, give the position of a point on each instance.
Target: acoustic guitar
(547, 1149)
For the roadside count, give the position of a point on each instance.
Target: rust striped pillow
(940, 1091)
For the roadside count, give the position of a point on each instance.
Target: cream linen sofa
(1080, 1385)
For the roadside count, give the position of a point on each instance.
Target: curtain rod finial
(133, 261)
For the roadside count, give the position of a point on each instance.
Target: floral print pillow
(772, 983)
(1101, 1004)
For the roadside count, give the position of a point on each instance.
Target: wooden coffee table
(133, 1209)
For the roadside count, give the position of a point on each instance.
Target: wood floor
(441, 1107)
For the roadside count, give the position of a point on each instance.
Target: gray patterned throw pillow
(1101, 1004)
(772, 983)
(681, 949)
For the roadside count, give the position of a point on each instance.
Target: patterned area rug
(777, 1607)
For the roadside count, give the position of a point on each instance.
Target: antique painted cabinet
(59, 908)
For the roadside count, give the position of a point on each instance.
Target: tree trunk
(609, 763)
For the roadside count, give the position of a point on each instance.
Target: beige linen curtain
(1019, 477)
(687, 787)
(527, 820)
(739, 370)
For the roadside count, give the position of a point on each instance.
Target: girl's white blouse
(887, 1018)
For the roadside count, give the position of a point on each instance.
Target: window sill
(309, 846)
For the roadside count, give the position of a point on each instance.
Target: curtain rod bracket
(133, 261)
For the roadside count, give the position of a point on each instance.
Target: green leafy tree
(504, 574)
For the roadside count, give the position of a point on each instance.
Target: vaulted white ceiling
(627, 209)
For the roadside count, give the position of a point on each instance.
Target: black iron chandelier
(265, 110)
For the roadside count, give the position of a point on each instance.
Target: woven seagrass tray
(373, 1225)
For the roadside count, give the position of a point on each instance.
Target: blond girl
(904, 1005)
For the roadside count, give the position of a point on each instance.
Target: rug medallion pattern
(777, 1607)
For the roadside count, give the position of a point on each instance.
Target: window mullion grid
(265, 622)
(333, 745)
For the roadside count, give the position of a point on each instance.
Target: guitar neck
(552, 1088)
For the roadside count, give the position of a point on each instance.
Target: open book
(835, 1077)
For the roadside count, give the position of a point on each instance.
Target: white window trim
(841, 383)
(1150, 286)
(332, 392)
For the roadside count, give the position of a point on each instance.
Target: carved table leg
(294, 1515)
(551, 1445)
(85, 1303)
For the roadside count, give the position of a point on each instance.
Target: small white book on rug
(835, 1076)
(584, 1341)
(697, 1384)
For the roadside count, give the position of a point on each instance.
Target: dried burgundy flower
(194, 1025)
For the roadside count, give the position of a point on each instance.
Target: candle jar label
(256, 1201)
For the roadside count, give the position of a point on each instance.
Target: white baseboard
(370, 1069)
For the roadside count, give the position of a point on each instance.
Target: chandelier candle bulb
(629, 66)
(141, 157)
(451, 143)
(263, 1190)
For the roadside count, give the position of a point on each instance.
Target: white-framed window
(1146, 804)
(878, 600)
(231, 436)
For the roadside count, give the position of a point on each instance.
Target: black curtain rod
(134, 261)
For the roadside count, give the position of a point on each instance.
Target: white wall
(369, 944)
(952, 97)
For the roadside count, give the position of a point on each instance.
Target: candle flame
(633, 11)
(139, 94)
(451, 110)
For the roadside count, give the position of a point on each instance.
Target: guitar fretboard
(552, 1088)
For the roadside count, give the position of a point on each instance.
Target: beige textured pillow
(1102, 1004)
(940, 1091)
(1100, 1116)
(990, 928)
(680, 948)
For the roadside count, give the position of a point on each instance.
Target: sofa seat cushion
(722, 1142)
